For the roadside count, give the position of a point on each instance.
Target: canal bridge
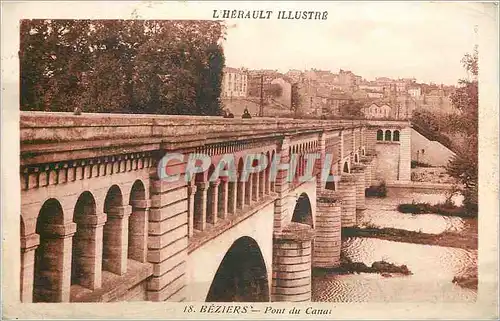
(97, 222)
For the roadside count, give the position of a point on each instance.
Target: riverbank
(468, 279)
(465, 239)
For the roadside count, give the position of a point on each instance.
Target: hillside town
(327, 93)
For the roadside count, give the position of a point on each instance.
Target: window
(396, 136)
(388, 135)
(380, 134)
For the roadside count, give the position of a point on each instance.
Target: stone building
(234, 83)
(374, 111)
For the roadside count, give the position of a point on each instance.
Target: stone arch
(302, 212)
(47, 283)
(387, 135)
(380, 134)
(395, 136)
(138, 223)
(346, 167)
(113, 259)
(356, 158)
(242, 275)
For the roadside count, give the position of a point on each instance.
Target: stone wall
(387, 161)
(427, 151)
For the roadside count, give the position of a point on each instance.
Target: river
(433, 267)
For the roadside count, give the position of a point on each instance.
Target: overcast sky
(421, 40)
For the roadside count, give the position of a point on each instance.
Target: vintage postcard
(192, 160)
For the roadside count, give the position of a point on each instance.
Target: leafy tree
(352, 109)
(273, 90)
(464, 166)
(133, 66)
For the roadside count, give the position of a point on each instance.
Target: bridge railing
(45, 127)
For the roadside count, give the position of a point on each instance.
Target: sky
(421, 40)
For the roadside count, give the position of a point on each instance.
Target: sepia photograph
(252, 154)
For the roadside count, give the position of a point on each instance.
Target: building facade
(374, 111)
(234, 83)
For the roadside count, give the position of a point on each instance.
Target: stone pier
(327, 242)
(372, 156)
(367, 162)
(347, 190)
(292, 264)
(358, 172)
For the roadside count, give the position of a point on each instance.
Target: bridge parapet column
(57, 268)
(115, 235)
(241, 193)
(213, 199)
(200, 207)
(138, 232)
(232, 197)
(89, 242)
(223, 196)
(255, 187)
(327, 243)
(29, 244)
(347, 190)
(292, 264)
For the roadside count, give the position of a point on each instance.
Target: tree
(464, 166)
(273, 90)
(133, 66)
(352, 109)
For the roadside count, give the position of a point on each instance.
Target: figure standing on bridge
(246, 114)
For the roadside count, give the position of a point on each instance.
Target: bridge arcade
(98, 224)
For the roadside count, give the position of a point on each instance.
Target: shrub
(376, 191)
(446, 208)
(415, 164)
